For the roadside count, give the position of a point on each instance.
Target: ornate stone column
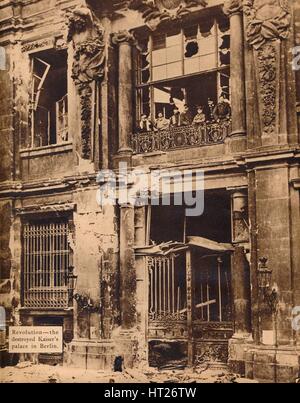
(240, 273)
(233, 8)
(124, 41)
(240, 266)
(239, 203)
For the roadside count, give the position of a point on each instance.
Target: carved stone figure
(266, 20)
(155, 11)
(86, 34)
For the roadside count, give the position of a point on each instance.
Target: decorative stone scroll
(156, 11)
(87, 36)
(123, 36)
(267, 24)
(232, 7)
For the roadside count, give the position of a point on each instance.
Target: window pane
(208, 62)
(174, 39)
(159, 42)
(174, 54)
(162, 98)
(159, 57)
(159, 73)
(191, 65)
(207, 45)
(174, 69)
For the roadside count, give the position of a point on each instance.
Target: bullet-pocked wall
(96, 264)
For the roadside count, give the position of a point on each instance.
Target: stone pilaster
(141, 280)
(124, 41)
(269, 37)
(127, 267)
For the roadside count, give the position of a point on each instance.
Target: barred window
(47, 257)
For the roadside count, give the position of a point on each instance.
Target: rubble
(44, 374)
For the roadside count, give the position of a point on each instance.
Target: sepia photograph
(150, 194)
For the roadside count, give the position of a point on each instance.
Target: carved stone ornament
(156, 11)
(123, 36)
(266, 20)
(45, 43)
(267, 76)
(86, 34)
(232, 7)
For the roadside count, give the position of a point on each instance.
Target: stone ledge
(51, 149)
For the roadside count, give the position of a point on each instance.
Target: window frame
(139, 85)
(34, 104)
(39, 259)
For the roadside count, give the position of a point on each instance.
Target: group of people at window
(216, 113)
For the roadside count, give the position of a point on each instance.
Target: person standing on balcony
(176, 118)
(161, 122)
(222, 110)
(200, 117)
(186, 116)
(145, 124)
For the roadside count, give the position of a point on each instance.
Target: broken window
(208, 237)
(49, 99)
(187, 65)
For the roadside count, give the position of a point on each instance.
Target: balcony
(209, 133)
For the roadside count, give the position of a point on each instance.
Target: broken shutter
(62, 119)
(39, 73)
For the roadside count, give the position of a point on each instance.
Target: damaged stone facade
(74, 89)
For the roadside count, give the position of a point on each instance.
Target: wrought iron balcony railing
(174, 138)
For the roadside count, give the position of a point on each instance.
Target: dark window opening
(49, 99)
(212, 269)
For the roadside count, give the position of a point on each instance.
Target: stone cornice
(42, 187)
